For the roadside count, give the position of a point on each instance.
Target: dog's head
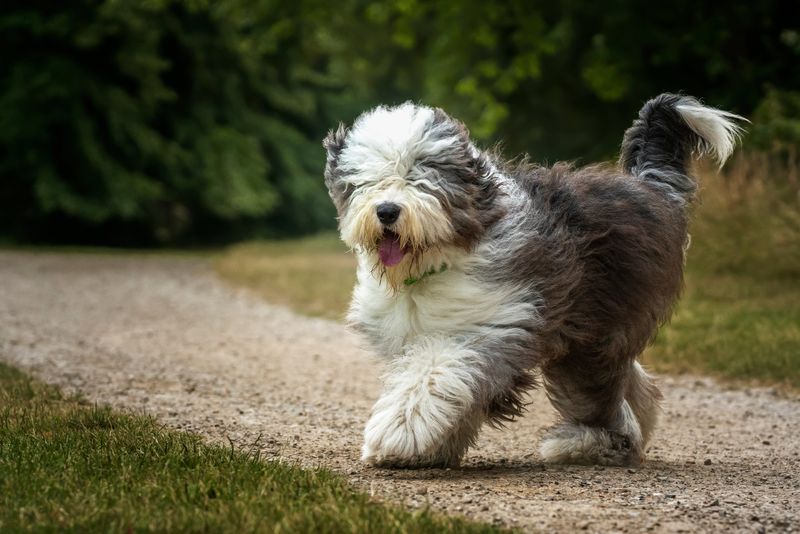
(409, 187)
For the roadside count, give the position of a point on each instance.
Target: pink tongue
(390, 251)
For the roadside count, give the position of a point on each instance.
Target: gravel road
(162, 335)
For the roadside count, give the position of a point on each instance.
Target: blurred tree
(776, 130)
(564, 79)
(159, 119)
(169, 120)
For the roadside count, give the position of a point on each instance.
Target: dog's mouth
(390, 250)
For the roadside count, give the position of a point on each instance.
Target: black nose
(388, 212)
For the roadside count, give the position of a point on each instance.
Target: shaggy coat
(476, 275)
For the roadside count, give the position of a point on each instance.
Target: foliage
(171, 120)
(564, 79)
(162, 116)
(69, 466)
(776, 127)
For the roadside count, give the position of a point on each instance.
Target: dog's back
(610, 240)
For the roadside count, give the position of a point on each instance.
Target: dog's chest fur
(457, 304)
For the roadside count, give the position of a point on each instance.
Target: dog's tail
(669, 130)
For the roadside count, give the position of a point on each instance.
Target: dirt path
(162, 335)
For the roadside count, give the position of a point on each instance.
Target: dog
(478, 278)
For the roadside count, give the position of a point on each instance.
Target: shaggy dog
(476, 275)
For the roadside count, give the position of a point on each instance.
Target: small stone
(707, 461)
(422, 490)
(765, 442)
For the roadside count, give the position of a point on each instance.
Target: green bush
(164, 118)
(168, 121)
(776, 124)
(564, 79)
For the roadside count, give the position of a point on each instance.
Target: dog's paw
(402, 436)
(426, 414)
(412, 433)
(579, 444)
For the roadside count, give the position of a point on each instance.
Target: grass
(66, 465)
(313, 275)
(739, 316)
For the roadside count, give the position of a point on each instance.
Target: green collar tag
(411, 280)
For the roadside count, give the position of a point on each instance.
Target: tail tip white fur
(718, 130)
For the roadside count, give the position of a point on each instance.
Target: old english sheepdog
(476, 276)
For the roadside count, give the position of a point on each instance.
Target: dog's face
(408, 185)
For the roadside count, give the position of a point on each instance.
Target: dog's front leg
(427, 414)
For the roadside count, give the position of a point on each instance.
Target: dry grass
(740, 313)
(313, 275)
(739, 316)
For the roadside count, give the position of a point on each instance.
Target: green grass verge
(66, 465)
(739, 316)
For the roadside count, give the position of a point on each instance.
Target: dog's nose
(387, 212)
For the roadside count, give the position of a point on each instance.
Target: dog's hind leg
(427, 414)
(644, 398)
(609, 408)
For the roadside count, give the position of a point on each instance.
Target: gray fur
(599, 252)
(333, 144)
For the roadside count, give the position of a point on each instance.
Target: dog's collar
(411, 280)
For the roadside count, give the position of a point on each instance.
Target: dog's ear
(453, 126)
(462, 152)
(334, 143)
(466, 170)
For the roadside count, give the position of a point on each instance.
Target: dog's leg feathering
(427, 414)
(608, 414)
(572, 442)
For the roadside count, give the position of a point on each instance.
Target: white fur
(382, 164)
(424, 332)
(574, 443)
(646, 407)
(715, 126)
(428, 391)
(452, 302)
(578, 444)
(421, 218)
(390, 142)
